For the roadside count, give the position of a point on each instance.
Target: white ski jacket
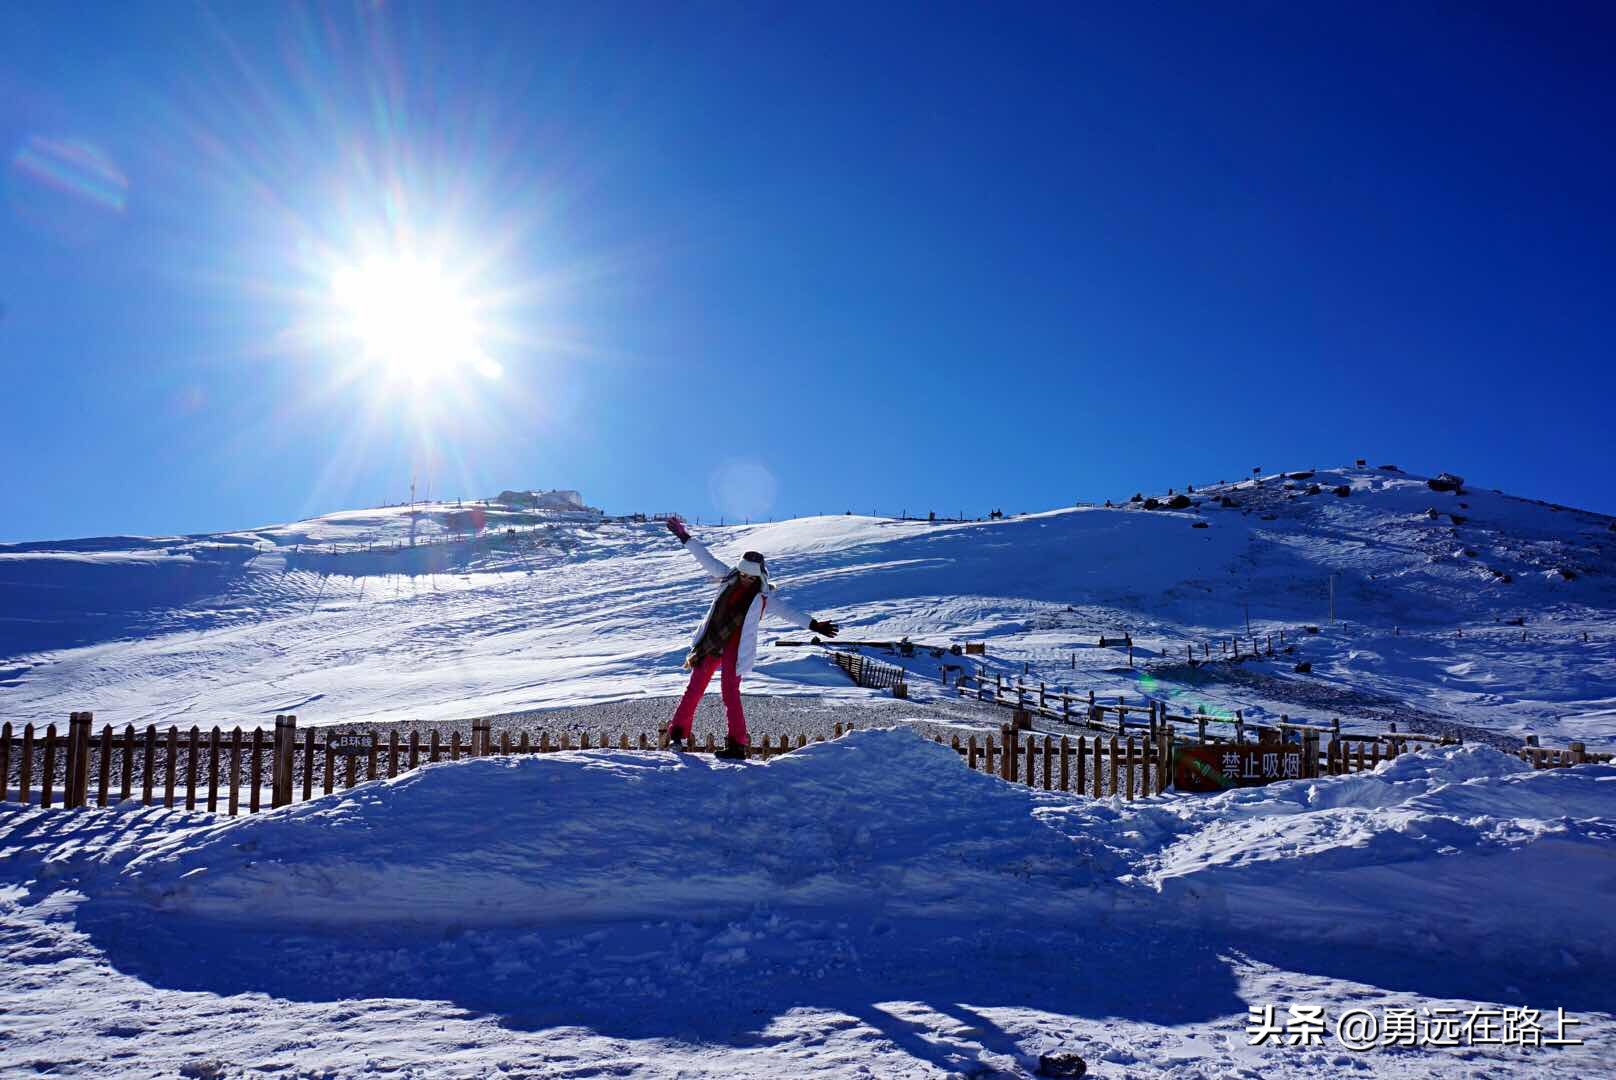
(767, 596)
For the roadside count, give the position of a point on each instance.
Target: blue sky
(774, 259)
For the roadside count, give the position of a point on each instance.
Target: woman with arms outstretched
(727, 639)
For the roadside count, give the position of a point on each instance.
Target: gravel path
(766, 714)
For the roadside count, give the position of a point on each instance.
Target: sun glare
(411, 319)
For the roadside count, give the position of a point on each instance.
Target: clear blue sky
(797, 258)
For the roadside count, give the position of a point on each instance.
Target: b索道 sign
(1218, 768)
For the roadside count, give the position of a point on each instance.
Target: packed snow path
(861, 907)
(332, 620)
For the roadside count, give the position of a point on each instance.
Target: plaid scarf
(729, 614)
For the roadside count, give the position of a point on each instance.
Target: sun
(410, 319)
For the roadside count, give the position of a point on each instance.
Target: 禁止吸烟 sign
(1217, 768)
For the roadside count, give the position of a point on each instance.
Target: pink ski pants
(729, 684)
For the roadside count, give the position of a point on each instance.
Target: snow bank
(1453, 850)
(1444, 852)
(878, 819)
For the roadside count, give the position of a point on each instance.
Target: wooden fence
(867, 672)
(1097, 714)
(235, 771)
(1130, 767)
(1549, 757)
(260, 769)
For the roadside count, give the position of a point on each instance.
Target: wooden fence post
(1082, 766)
(1049, 758)
(1114, 763)
(1032, 747)
(1129, 768)
(193, 746)
(308, 765)
(127, 776)
(415, 748)
(235, 772)
(5, 760)
(104, 773)
(256, 767)
(1012, 757)
(148, 765)
(372, 770)
(987, 763)
(970, 753)
(392, 753)
(171, 773)
(25, 766)
(47, 774)
(285, 747)
(69, 747)
(1065, 763)
(275, 760)
(213, 770)
(81, 764)
(1164, 767)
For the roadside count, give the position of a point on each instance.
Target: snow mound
(1447, 852)
(875, 819)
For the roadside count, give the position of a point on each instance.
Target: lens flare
(73, 167)
(743, 489)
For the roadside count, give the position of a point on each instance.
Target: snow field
(237, 627)
(865, 905)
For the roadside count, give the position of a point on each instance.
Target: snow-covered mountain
(861, 907)
(1467, 606)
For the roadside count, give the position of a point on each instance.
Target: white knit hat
(752, 563)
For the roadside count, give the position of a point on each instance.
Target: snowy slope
(862, 907)
(340, 619)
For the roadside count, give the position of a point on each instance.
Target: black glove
(677, 528)
(828, 629)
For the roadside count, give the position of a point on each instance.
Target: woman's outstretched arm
(715, 569)
(784, 611)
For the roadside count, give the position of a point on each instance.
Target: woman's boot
(733, 749)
